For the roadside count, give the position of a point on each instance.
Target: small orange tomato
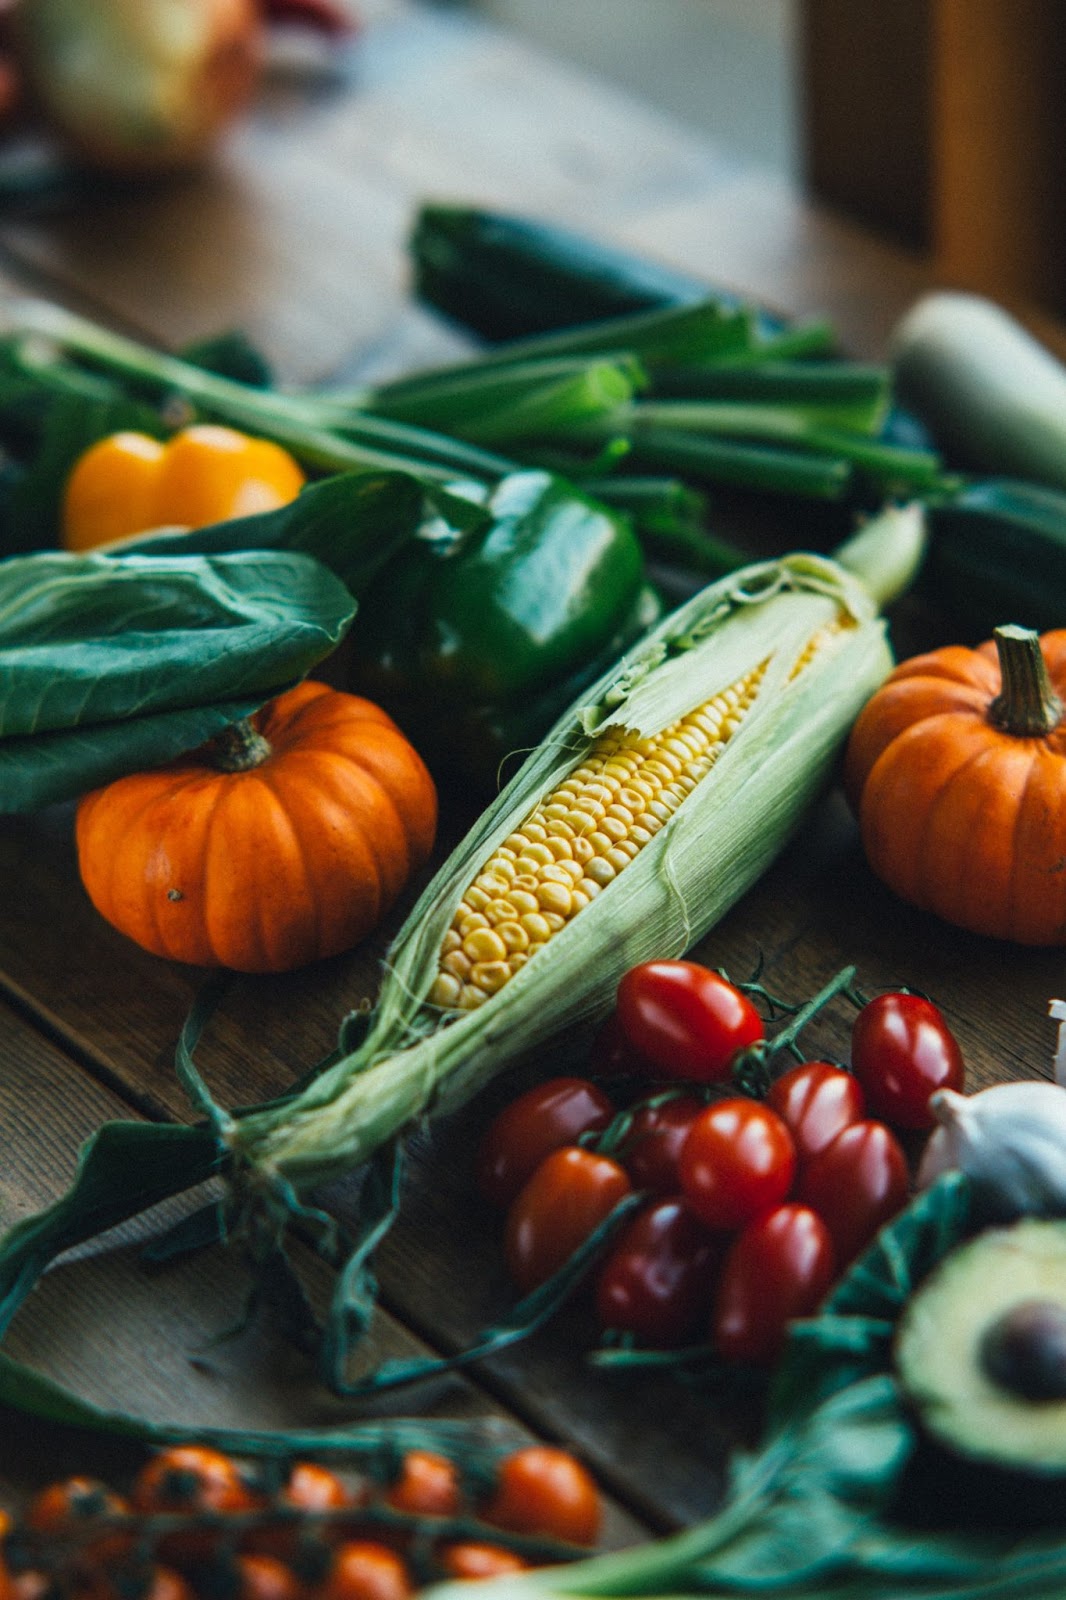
(472, 1559)
(363, 1569)
(151, 1582)
(191, 1478)
(544, 1490)
(128, 483)
(257, 1576)
(8, 1584)
(73, 1506)
(312, 1487)
(428, 1486)
(309, 1488)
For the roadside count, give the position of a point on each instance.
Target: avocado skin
(941, 1491)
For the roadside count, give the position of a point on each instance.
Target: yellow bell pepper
(129, 482)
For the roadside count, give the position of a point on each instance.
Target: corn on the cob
(720, 728)
(576, 841)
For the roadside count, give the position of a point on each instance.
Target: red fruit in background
(856, 1184)
(658, 1281)
(902, 1050)
(737, 1162)
(543, 1119)
(652, 1149)
(687, 1020)
(816, 1100)
(566, 1199)
(778, 1268)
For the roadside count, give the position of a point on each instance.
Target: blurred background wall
(941, 124)
(723, 66)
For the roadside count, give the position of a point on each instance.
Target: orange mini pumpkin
(956, 769)
(293, 853)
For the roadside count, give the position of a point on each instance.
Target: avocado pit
(1024, 1351)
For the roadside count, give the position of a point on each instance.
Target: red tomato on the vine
(737, 1162)
(658, 1281)
(652, 1149)
(856, 1184)
(611, 1055)
(778, 1268)
(545, 1118)
(816, 1100)
(902, 1050)
(687, 1020)
(570, 1194)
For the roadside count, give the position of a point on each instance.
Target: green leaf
(843, 1468)
(353, 524)
(125, 1168)
(109, 664)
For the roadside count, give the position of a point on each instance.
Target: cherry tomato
(658, 1281)
(901, 1051)
(738, 1161)
(147, 1582)
(191, 1478)
(473, 1559)
(363, 1569)
(652, 1147)
(686, 1019)
(312, 1487)
(257, 1576)
(856, 1183)
(546, 1491)
(72, 1506)
(546, 1117)
(611, 1055)
(569, 1195)
(428, 1486)
(778, 1268)
(816, 1100)
(309, 1487)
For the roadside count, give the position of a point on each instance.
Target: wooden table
(296, 234)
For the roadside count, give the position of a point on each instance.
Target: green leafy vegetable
(112, 663)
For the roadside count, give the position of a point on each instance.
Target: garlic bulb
(1010, 1140)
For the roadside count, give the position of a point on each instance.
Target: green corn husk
(416, 1058)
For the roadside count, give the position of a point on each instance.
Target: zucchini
(997, 554)
(992, 396)
(505, 277)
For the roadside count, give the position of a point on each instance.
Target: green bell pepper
(472, 638)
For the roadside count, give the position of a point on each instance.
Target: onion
(1010, 1140)
(139, 85)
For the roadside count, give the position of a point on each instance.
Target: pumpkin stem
(1028, 705)
(239, 747)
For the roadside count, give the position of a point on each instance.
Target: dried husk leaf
(416, 1059)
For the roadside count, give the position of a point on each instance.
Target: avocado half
(981, 1349)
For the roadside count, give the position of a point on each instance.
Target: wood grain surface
(296, 235)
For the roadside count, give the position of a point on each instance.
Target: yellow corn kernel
(577, 840)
